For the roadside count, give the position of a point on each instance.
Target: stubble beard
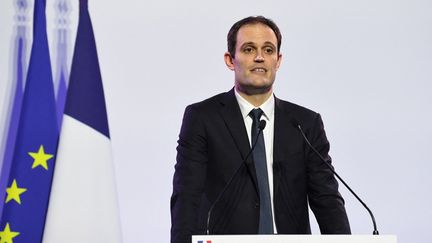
(250, 89)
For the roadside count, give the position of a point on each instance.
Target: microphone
(261, 127)
(297, 125)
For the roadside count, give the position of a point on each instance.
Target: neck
(256, 99)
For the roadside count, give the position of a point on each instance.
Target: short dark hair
(232, 34)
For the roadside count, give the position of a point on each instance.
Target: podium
(294, 239)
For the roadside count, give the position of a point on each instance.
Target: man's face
(256, 59)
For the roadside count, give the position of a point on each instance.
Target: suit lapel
(232, 116)
(284, 132)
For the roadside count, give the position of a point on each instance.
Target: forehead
(256, 33)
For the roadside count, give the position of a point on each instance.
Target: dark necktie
(259, 157)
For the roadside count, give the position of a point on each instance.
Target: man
(257, 178)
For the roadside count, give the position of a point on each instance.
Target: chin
(266, 84)
(256, 89)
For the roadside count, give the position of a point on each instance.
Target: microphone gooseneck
(261, 127)
(297, 125)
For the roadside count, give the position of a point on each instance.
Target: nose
(259, 57)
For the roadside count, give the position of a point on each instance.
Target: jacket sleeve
(189, 177)
(324, 198)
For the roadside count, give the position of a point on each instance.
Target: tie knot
(256, 114)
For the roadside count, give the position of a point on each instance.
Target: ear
(229, 61)
(279, 61)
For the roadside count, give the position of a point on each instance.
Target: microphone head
(262, 124)
(295, 123)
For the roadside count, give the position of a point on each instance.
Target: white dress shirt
(268, 108)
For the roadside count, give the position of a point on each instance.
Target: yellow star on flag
(14, 192)
(40, 158)
(6, 235)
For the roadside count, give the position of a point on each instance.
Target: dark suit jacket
(212, 145)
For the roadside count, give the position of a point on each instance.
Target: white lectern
(294, 239)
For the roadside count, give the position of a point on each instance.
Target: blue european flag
(29, 182)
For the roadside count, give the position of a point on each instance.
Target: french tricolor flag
(83, 203)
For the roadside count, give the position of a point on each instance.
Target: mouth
(258, 70)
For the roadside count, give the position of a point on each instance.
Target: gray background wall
(366, 66)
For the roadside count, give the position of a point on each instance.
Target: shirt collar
(245, 107)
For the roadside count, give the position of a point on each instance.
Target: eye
(269, 50)
(248, 49)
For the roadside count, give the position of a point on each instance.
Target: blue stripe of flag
(85, 98)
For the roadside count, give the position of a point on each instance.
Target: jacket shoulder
(209, 102)
(212, 104)
(297, 110)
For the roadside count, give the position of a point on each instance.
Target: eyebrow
(253, 43)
